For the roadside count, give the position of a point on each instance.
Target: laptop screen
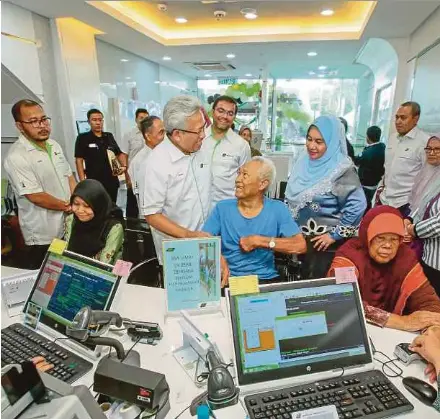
(298, 328)
(68, 282)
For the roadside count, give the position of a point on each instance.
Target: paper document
(243, 284)
(325, 412)
(345, 275)
(57, 246)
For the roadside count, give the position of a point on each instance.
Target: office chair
(139, 249)
(288, 266)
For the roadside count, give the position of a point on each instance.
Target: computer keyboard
(20, 344)
(369, 394)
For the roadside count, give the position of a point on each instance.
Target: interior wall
(76, 75)
(425, 35)
(380, 56)
(130, 82)
(417, 73)
(365, 104)
(47, 65)
(18, 57)
(21, 55)
(424, 67)
(136, 82)
(173, 83)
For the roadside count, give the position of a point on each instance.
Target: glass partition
(298, 102)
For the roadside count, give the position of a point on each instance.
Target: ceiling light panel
(327, 12)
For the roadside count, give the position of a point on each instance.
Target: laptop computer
(65, 284)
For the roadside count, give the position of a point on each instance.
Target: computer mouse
(420, 389)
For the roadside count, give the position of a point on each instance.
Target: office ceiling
(227, 23)
(282, 59)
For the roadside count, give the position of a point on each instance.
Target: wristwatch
(272, 243)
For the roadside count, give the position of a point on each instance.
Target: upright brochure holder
(192, 354)
(192, 276)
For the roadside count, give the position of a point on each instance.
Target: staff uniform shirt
(226, 156)
(137, 168)
(132, 143)
(404, 157)
(93, 150)
(176, 185)
(32, 170)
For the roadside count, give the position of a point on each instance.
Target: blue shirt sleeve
(352, 209)
(287, 226)
(213, 223)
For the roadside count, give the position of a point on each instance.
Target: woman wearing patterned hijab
(324, 194)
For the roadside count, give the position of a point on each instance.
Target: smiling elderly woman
(394, 289)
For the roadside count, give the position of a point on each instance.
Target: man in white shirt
(175, 193)
(225, 149)
(41, 179)
(404, 157)
(153, 133)
(132, 142)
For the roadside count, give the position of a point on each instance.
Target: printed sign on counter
(192, 273)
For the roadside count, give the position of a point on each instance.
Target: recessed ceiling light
(248, 75)
(312, 54)
(327, 12)
(181, 20)
(251, 16)
(249, 13)
(157, 82)
(230, 56)
(166, 58)
(322, 67)
(312, 73)
(124, 60)
(128, 78)
(321, 75)
(208, 75)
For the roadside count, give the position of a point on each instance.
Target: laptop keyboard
(370, 394)
(19, 344)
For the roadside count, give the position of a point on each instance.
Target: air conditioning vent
(212, 66)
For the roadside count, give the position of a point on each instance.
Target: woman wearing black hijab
(92, 229)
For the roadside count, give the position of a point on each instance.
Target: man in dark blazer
(371, 163)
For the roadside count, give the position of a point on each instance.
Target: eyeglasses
(222, 111)
(37, 123)
(199, 132)
(429, 150)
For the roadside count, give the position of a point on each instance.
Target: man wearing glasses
(98, 156)
(41, 179)
(174, 196)
(404, 157)
(225, 149)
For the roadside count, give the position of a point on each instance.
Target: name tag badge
(93, 145)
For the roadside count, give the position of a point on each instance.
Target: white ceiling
(283, 60)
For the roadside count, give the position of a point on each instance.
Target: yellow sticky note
(57, 246)
(243, 284)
